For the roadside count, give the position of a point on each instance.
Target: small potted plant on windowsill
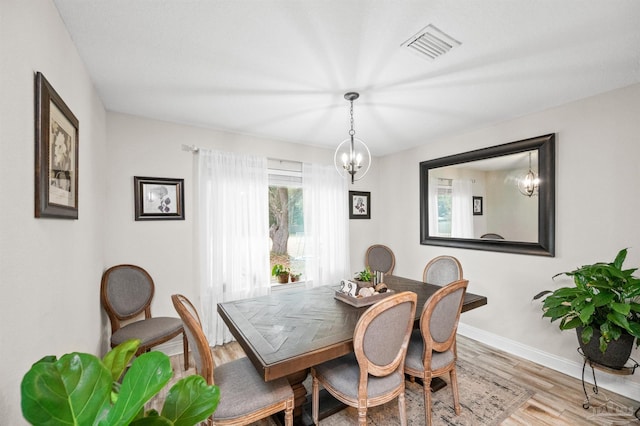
(281, 273)
(603, 308)
(295, 276)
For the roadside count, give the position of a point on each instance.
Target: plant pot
(617, 353)
(295, 278)
(283, 278)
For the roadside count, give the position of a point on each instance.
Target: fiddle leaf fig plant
(605, 297)
(81, 389)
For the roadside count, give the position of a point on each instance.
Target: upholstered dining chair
(244, 396)
(380, 258)
(126, 292)
(432, 348)
(373, 374)
(442, 270)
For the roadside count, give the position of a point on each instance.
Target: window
(286, 220)
(444, 207)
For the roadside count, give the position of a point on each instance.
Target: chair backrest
(442, 270)
(440, 316)
(198, 342)
(381, 336)
(492, 236)
(380, 258)
(126, 291)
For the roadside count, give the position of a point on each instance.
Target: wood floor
(557, 399)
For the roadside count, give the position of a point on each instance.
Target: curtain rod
(190, 148)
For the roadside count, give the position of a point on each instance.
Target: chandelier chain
(352, 131)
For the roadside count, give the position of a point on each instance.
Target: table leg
(299, 391)
(436, 383)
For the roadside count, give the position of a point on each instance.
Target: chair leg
(315, 400)
(402, 407)
(185, 350)
(362, 415)
(453, 376)
(426, 388)
(288, 413)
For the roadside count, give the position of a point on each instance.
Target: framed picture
(477, 206)
(158, 198)
(56, 162)
(359, 205)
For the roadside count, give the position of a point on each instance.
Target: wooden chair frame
(430, 345)
(191, 319)
(117, 320)
(438, 259)
(369, 368)
(380, 246)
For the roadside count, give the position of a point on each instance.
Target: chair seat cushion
(414, 359)
(148, 330)
(242, 390)
(343, 375)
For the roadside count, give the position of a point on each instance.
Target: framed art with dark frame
(477, 206)
(359, 205)
(158, 198)
(56, 154)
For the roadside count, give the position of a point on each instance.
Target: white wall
(144, 147)
(49, 268)
(597, 204)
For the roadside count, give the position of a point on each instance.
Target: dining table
(286, 333)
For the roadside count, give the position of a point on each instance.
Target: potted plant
(295, 276)
(81, 389)
(281, 273)
(363, 278)
(603, 308)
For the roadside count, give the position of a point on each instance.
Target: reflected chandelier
(352, 156)
(529, 183)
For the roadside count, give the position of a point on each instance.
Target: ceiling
(279, 68)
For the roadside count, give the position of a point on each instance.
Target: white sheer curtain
(461, 209)
(326, 225)
(232, 233)
(433, 207)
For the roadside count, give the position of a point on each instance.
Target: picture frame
(158, 198)
(477, 206)
(359, 205)
(56, 154)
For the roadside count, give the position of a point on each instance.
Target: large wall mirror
(500, 198)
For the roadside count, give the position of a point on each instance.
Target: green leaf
(587, 334)
(147, 375)
(190, 401)
(586, 312)
(572, 323)
(71, 391)
(152, 420)
(620, 257)
(621, 308)
(117, 359)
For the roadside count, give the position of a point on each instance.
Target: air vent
(431, 43)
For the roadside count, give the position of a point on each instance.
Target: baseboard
(172, 347)
(613, 383)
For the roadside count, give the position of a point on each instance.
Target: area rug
(485, 399)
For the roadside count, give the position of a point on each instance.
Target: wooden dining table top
(289, 331)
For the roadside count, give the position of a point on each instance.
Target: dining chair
(126, 292)
(380, 258)
(432, 348)
(244, 396)
(442, 270)
(374, 373)
(492, 236)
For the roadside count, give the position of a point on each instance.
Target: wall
(597, 202)
(49, 268)
(144, 147)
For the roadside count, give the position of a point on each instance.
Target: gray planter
(617, 353)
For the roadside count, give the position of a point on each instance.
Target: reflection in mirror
(499, 198)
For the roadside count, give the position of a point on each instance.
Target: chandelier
(352, 156)
(529, 183)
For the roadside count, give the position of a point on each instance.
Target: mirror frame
(546, 198)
